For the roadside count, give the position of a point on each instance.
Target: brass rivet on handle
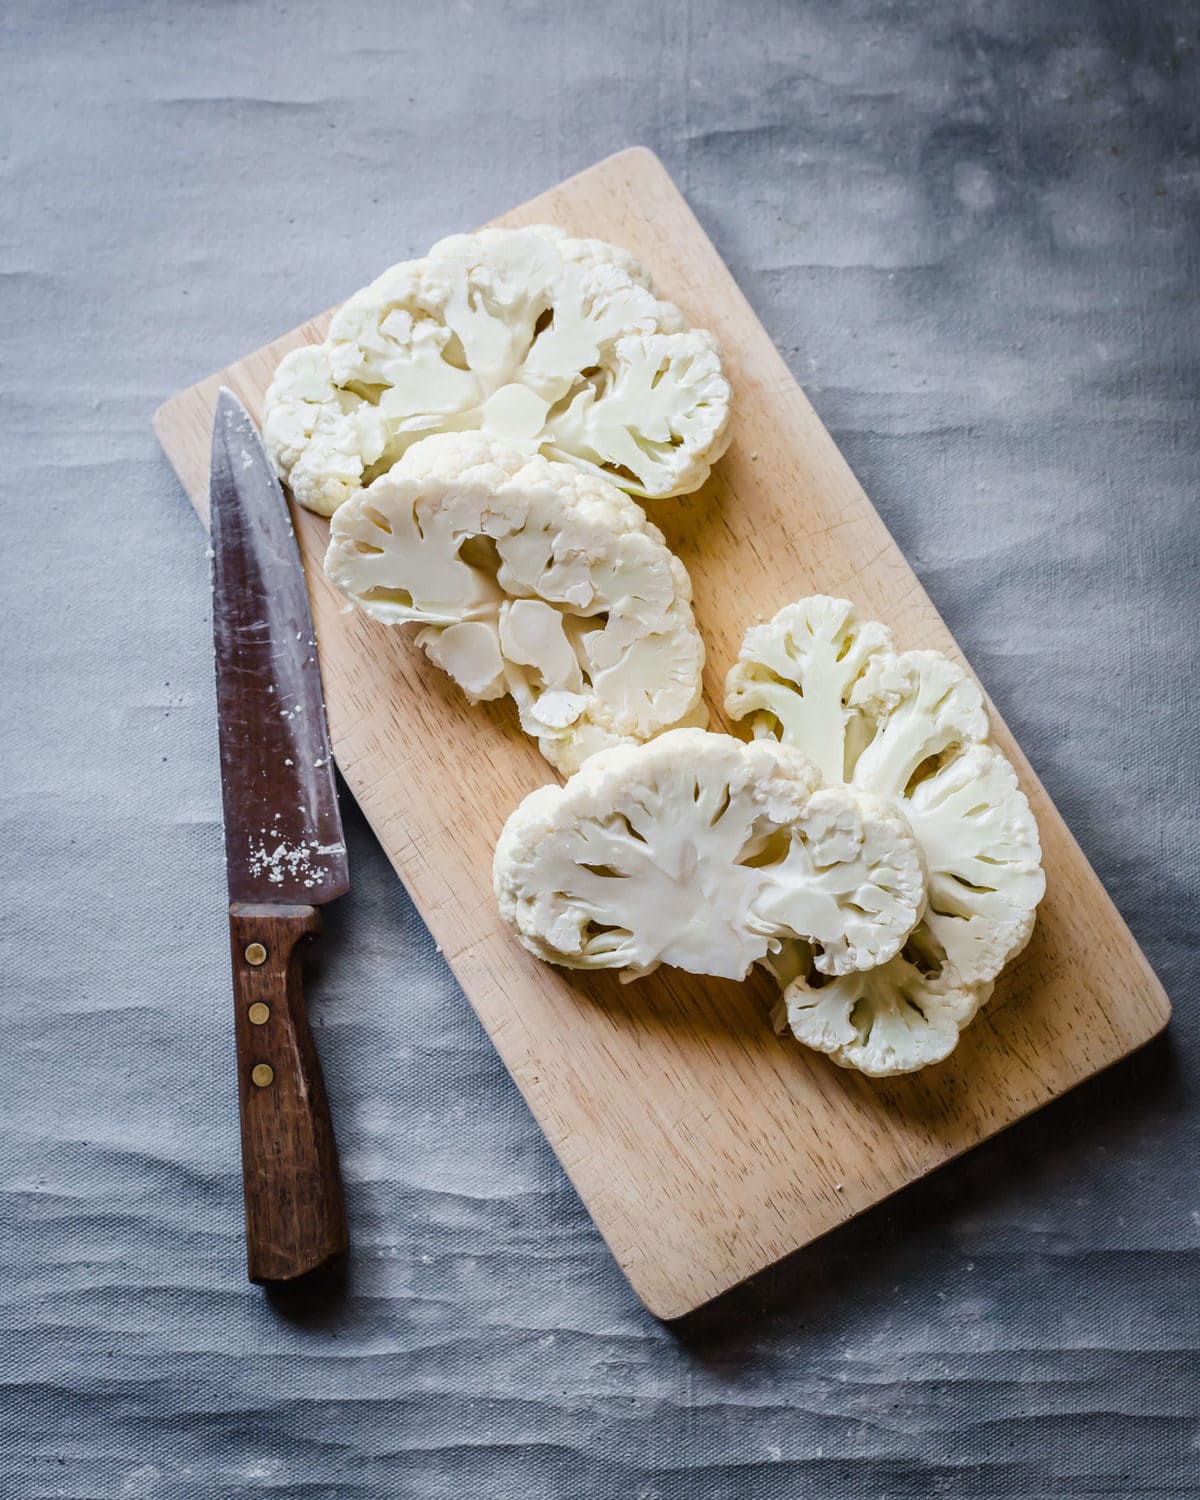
(256, 954)
(263, 1074)
(259, 1013)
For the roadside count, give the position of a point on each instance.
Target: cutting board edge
(670, 1312)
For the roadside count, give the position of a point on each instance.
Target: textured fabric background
(972, 227)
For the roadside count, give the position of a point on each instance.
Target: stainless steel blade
(283, 830)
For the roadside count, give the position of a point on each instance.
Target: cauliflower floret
(904, 1015)
(702, 852)
(981, 846)
(528, 335)
(819, 643)
(910, 727)
(915, 707)
(530, 578)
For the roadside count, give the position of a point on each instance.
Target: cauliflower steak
(527, 334)
(702, 852)
(531, 578)
(912, 729)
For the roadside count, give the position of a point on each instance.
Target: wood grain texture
(295, 1210)
(704, 1147)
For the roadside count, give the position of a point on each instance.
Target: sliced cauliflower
(530, 578)
(797, 674)
(912, 728)
(700, 851)
(903, 1015)
(527, 334)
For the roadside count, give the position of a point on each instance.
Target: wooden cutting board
(704, 1147)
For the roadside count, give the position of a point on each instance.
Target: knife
(284, 853)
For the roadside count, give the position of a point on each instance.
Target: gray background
(972, 228)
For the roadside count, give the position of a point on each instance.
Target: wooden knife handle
(295, 1212)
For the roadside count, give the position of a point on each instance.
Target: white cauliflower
(910, 727)
(903, 1015)
(700, 851)
(531, 578)
(527, 334)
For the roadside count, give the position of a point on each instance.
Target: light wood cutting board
(704, 1147)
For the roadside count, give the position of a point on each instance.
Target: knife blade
(284, 853)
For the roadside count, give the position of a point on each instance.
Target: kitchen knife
(284, 853)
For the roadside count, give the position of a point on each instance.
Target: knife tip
(228, 403)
